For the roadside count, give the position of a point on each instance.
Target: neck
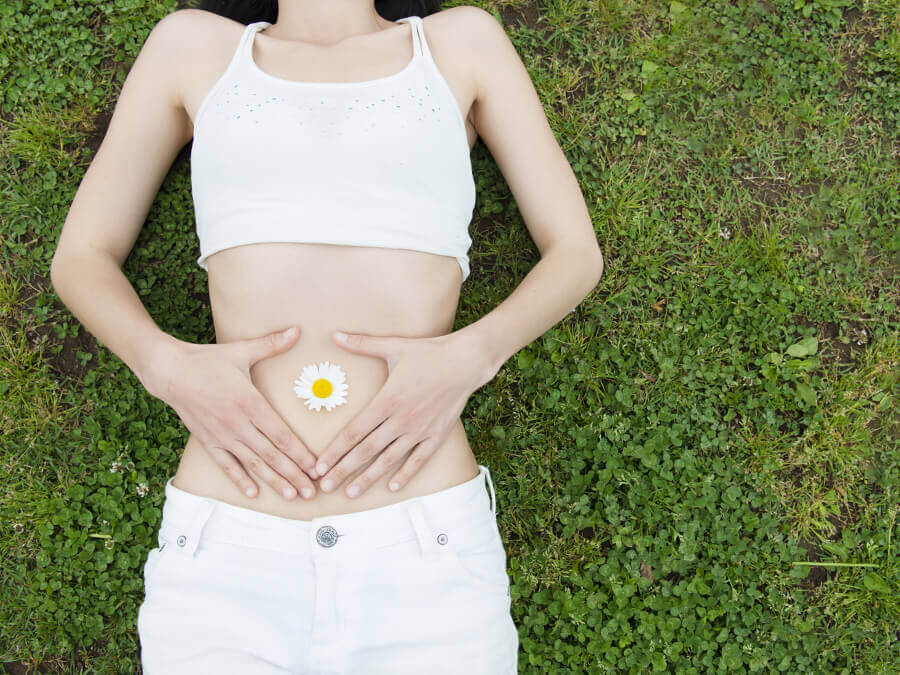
(325, 22)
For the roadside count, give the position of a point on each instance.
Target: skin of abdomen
(261, 288)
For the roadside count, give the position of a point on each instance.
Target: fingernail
(340, 336)
(289, 333)
(326, 484)
(306, 492)
(322, 468)
(313, 474)
(353, 490)
(394, 487)
(248, 491)
(288, 493)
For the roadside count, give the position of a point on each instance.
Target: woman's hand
(429, 381)
(209, 387)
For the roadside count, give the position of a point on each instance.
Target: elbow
(582, 259)
(54, 273)
(598, 264)
(57, 269)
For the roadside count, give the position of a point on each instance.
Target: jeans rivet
(442, 538)
(181, 541)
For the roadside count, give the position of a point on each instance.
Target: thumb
(364, 344)
(259, 348)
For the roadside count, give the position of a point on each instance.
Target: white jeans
(412, 587)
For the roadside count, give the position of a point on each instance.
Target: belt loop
(487, 474)
(188, 541)
(424, 532)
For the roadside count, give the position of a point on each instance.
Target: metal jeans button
(326, 536)
(442, 538)
(181, 541)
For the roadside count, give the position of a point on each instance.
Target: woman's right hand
(209, 387)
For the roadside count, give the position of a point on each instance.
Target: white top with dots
(381, 162)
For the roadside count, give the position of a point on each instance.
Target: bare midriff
(261, 288)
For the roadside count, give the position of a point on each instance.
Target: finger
(370, 345)
(256, 349)
(233, 470)
(361, 426)
(393, 454)
(372, 445)
(420, 454)
(258, 455)
(242, 438)
(283, 466)
(273, 427)
(225, 459)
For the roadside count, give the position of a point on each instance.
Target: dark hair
(248, 11)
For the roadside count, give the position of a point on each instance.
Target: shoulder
(467, 14)
(478, 38)
(202, 39)
(468, 41)
(192, 33)
(469, 24)
(190, 24)
(464, 24)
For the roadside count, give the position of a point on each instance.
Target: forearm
(100, 296)
(554, 286)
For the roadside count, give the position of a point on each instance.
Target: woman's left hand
(429, 382)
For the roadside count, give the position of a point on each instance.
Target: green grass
(669, 459)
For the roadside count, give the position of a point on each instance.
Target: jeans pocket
(154, 557)
(477, 552)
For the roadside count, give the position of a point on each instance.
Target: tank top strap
(421, 44)
(246, 42)
(417, 44)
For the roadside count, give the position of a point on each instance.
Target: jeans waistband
(189, 519)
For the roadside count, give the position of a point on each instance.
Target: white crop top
(381, 162)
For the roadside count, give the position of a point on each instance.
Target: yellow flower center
(322, 388)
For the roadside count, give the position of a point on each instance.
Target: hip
(417, 585)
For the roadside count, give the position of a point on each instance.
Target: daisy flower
(321, 385)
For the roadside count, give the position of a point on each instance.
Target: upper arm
(510, 119)
(148, 128)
